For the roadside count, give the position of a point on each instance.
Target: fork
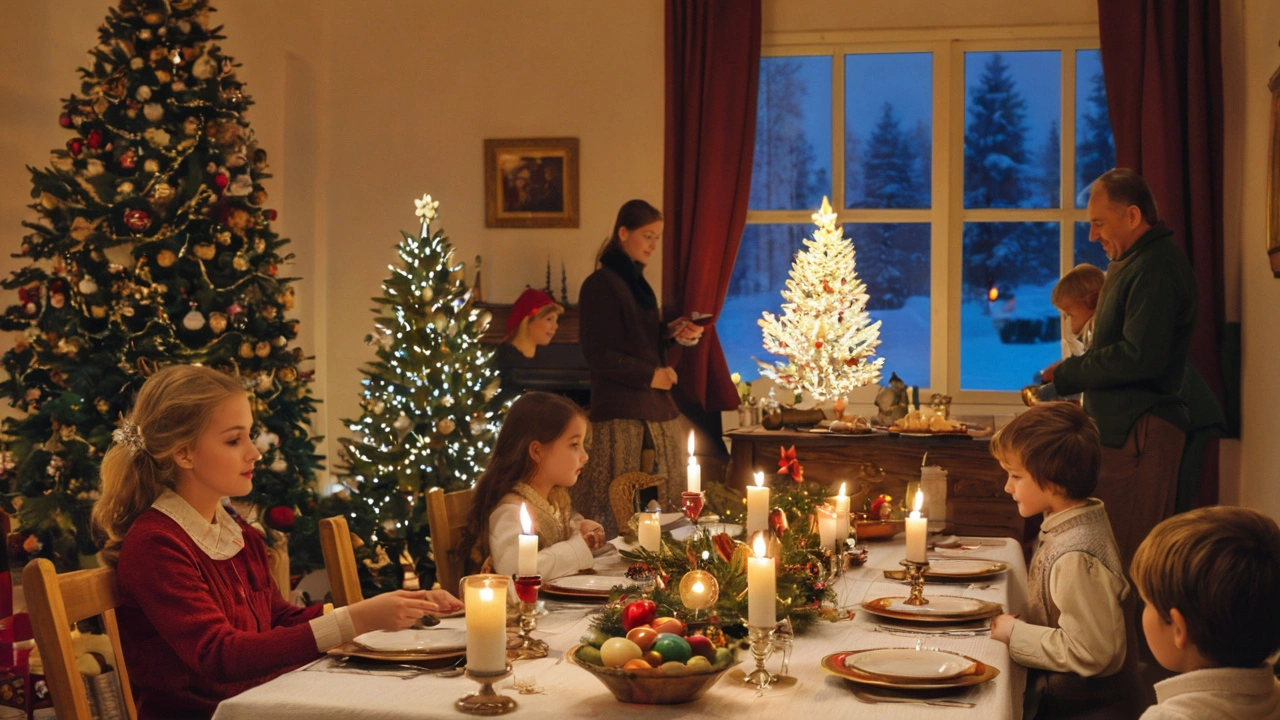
(878, 699)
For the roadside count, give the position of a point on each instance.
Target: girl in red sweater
(200, 618)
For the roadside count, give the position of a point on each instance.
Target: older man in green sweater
(1131, 375)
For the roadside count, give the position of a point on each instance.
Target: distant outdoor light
(993, 293)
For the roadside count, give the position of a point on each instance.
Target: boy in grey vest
(1210, 579)
(1074, 629)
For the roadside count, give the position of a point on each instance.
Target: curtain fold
(1162, 62)
(712, 79)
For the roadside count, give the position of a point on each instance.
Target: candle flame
(485, 594)
(919, 501)
(759, 479)
(841, 490)
(698, 587)
(690, 446)
(757, 545)
(526, 522)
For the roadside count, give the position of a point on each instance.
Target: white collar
(1243, 681)
(221, 539)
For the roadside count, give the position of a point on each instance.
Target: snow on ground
(986, 363)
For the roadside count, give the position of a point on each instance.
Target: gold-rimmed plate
(835, 664)
(940, 609)
(944, 569)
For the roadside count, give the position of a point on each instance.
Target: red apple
(637, 613)
(702, 646)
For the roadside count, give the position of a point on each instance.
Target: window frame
(946, 215)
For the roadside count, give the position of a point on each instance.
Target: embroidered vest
(1087, 532)
(552, 517)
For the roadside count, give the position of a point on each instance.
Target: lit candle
(695, 472)
(842, 516)
(827, 527)
(757, 506)
(528, 561)
(486, 618)
(917, 531)
(762, 588)
(650, 532)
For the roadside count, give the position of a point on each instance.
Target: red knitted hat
(527, 305)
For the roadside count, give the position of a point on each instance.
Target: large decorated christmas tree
(429, 406)
(153, 245)
(824, 330)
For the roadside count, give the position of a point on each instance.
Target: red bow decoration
(789, 465)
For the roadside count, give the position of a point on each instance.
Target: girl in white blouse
(539, 455)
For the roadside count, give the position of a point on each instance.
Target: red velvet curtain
(713, 70)
(1162, 60)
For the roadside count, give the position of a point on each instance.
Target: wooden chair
(54, 603)
(447, 515)
(340, 561)
(622, 495)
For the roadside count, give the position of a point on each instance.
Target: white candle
(762, 588)
(528, 559)
(757, 506)
(486, 617)
(917, 531)
(695, 472)
(842, 516)
(650, 532)
(827, 527)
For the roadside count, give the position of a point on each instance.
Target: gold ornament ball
(699, 590)
(446, 426)
(262, 349)
(246, 350)
(240, 262)
(206, 251)
(287, 374)
(427, 294)
(166, 258)
(402, 423)
(98, 312)
(217, 322)
(102, 405)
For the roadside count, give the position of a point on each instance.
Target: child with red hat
(533, 321)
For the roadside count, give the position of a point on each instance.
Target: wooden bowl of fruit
(654, 668)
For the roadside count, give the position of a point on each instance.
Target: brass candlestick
(486, 701)
(527, 591)
(915, 575)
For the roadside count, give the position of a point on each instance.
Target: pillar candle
(762, 588)
(528, 559)
(757, 506)
(827, 527)
(486, 618)
(917, 532)
(842, 516)
(695, 472)
(650, 532)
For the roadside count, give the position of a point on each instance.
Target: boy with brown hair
(1210, 579)
(1074, 628)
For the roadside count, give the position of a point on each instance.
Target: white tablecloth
(569, 692)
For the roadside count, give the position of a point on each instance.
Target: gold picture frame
(1273, 179)
(531, 183)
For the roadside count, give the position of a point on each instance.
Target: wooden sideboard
(881, 463)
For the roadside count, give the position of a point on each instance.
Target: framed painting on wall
(531, 183)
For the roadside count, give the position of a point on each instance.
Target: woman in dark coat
(626, 347)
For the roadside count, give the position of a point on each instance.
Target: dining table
(552, 687)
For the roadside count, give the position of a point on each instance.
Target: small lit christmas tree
(824, 330)
(429, 401)
(152, 245)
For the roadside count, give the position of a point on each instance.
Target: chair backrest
(54, 603)
(340, 561)
(447, 515)
(622, 495)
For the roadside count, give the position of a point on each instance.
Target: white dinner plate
(600, 584)
(907, 664)
(938, 605)
(681, 534)
(447, 636)
(949, 567)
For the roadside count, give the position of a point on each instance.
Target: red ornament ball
(137, 220)
(65, 120)
(95, 138)
(128, 160)
(221, 180)
(818, 344)
(281, 518)
(271, 215)
(75, 146)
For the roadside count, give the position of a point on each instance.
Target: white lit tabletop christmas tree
(824, 330)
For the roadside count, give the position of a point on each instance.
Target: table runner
(570, 692)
